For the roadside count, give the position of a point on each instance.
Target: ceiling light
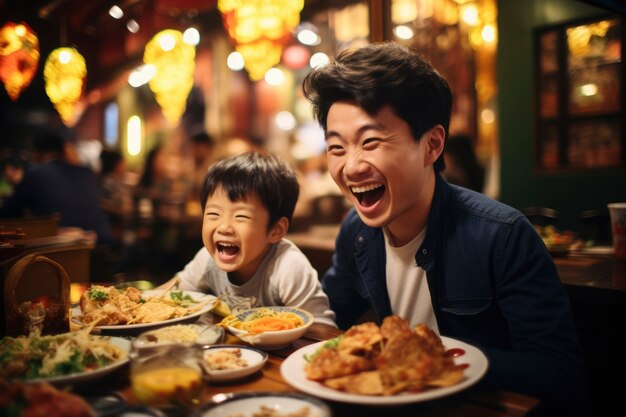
(274, 76)
(116, 12)
(318, 59)
(132, 26)
(235, 61)
(308, 37)
(191, 36)
(403, 32)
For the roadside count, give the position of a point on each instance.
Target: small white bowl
(274, 339)
(248, 404)
(255, 360)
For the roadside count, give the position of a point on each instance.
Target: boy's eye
(212, 214)
(242, 216)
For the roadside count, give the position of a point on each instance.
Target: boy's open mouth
(368, 195)
(227, 248)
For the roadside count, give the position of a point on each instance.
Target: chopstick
(169, 286)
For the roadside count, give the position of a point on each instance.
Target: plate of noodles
(269, 327)
(63, 359)
(131, 311)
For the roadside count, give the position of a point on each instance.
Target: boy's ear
(279, 230)
(435, 140)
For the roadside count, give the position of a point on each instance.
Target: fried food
(386, 360)
(105, 306)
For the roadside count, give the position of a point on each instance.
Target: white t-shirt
(407, 284)
(285, 277)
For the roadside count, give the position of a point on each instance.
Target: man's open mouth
(227, 248)
(368, 195)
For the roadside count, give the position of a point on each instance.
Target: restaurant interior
(538, 89)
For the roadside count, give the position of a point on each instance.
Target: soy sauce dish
(223, 363)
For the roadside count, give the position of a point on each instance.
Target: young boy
(248, 202)
(470, 267)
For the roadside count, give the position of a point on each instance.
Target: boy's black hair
(257, 173)
(383, 74)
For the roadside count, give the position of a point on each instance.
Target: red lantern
(19, 56)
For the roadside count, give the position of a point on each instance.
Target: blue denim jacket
(492, 282)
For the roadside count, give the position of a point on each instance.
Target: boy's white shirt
(407, 285)
(284, 277)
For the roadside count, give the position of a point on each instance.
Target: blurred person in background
(116, 199)
(12, 172)
(462, 166)
(53, 185)
(203, 151)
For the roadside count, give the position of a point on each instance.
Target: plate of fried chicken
(387, 365)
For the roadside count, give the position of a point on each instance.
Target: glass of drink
(166, 375)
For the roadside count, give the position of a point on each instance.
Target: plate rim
(85, 376)
(292, 370)
(145, 326)
(224, 398)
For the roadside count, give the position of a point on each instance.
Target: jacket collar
(426, 254)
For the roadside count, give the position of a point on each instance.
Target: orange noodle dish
(385, 360)
(264, 320)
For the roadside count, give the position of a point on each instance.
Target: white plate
(140, 327)
(87, 376)
(292, 370)
(248, 404)
(206, 335)
(255, 358)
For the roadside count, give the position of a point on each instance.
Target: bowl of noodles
(269, 327)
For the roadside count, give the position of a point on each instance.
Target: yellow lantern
(174, 62)
(64, 73)
(19, 57)
(260, 29)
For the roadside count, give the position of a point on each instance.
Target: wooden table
(472, 402)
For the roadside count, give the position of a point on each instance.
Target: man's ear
(435, 140)
(279, 230)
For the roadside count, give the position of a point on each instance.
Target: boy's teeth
(365, 188)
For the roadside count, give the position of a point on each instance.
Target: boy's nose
(225, 228)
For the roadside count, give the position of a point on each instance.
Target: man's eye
(370, 142)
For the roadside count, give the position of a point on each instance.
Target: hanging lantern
(64, 74)
(19, 57)
(174, 61)
(260, 29)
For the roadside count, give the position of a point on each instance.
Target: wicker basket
(48, 316)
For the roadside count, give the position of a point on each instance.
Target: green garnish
(329, 344)
(180, 299)
(96, 294)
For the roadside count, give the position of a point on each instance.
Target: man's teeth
(365, 188)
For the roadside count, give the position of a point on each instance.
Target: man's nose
(354, 164)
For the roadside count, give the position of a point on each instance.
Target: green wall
(520, 186)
